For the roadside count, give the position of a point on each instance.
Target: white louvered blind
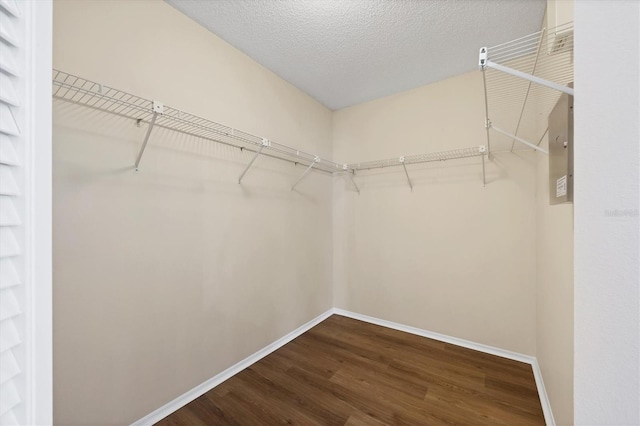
(13, 358)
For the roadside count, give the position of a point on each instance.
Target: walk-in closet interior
(239, 186)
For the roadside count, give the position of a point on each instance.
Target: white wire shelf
(420, 158)
(454, 154)
(523, 79)
(91, 94)
(77, 90)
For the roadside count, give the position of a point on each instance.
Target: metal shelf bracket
(265, 143)
(482, 59)
(484, 62)
(316, 160)
(533, 78)
(158, 109)
(483, 150)
(519, 139)
(353, 181)
(345, 168)
(404, 166)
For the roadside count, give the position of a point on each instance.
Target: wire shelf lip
(559, 29)
(548, 42)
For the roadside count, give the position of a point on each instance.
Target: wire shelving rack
(522, 78)
(77, 90)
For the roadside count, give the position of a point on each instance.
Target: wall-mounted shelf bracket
(315, 161)
(265, 143)
(519, 139)
(404, 166)
(483, 150)
(345, 168)
(482, 59)
(485, 62)
(353, 181)
(158, 109)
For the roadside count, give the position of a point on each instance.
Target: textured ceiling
(344, 52)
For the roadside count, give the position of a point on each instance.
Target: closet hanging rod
(77, 90)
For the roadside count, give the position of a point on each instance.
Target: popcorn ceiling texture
(346, 52)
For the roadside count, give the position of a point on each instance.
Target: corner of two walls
(554, 296)
(492, 265)
(451, 256)
(554, 271)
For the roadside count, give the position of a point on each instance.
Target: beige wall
(554, 297)
(165, 277)
(451, 256)
(554, 271)
(195, 272)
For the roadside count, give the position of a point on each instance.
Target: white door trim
(38, 200)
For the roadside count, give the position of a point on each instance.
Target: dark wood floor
(347, 372)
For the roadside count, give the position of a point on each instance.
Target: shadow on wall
(443, 173)
(187, 163)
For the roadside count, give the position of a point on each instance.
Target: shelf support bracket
(522, 141)
(313, 163)
(345, 168)
(401, 159)
(526, 76)
(265, 143)
(158, 109)
(483, 150)
(353, 181)
(482, 62)
(526, 97)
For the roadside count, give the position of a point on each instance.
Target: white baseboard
(440, 337)
(205, 387)
(542, 393)
(528, 359)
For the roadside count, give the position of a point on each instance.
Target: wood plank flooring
(348, 372)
